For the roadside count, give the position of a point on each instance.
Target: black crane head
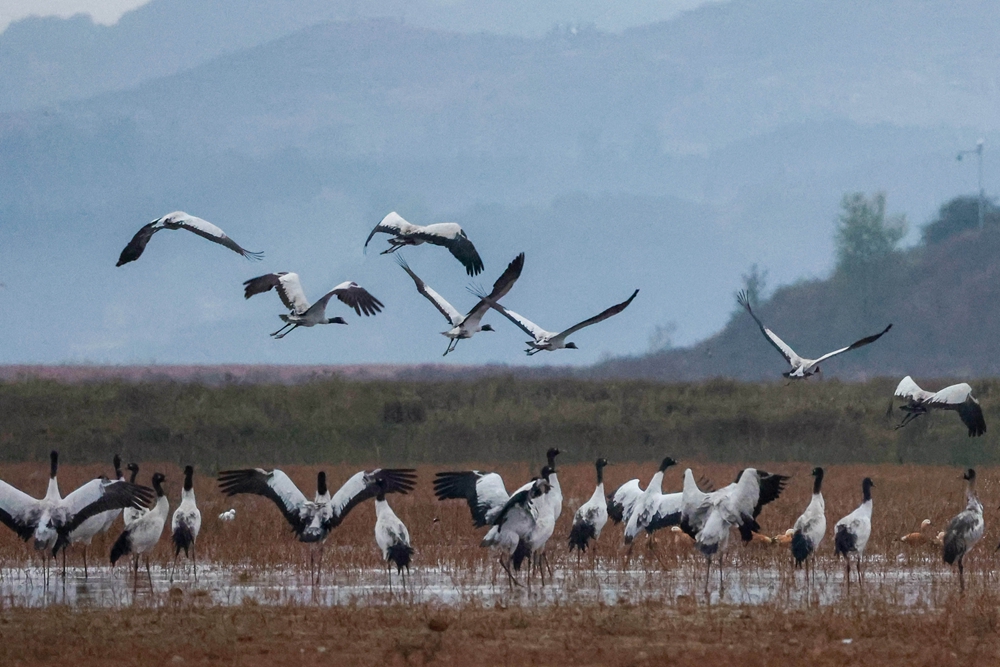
(336, 320)
(321, 483)
(487, 327)
(601, 462)
(158, 479)
(666, 463)
(970, 475)
(571, 346)
(132, 467)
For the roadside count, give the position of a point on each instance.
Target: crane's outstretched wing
(445, 308)
(853, 346)
(392, 224)
(206, 230)
(134, 249)
(500, 289)
(613, 310)
(451, 236)
(622, 501)
(275, 485)
(362, 485)
(18, 511)
(910, 390)
(959, 397)
(484, 492)
(522, 322)
(286, 284)
(96, 496)
(354, 296)
(788, 353)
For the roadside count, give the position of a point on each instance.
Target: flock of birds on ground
(520, 524)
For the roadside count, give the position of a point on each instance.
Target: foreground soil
(681, 633)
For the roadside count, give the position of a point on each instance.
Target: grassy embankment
(492, 420)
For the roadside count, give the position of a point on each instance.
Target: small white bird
(956, 397)
(391, 536)
(965, 530)
(181, 220)
(186, 523)
(228, 515)
(466, 326)
(589, 520)
(140, 537)
(446, 234)
(852, 532)
(550, 340)
(304, 314)
(810, 527)
(801, 367)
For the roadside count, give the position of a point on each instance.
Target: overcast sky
(606, 14)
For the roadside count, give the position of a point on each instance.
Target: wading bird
(957, 398)
(447, 234)
(99, 523)
(52, 519)
(186, 523)
(304, 314)
(515, 523)
(810, 527)
(466, 326)
(550, 340)
(312, 521)
(654, 509)
(391, 535)
(181, 220)
(852, 532)
(589, 520)
(965, 530)
(140, 537)
(801, 367)
(919, 537)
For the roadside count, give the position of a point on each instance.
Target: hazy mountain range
(668, 157)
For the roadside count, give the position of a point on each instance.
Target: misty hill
(943, 301)
(683, 151)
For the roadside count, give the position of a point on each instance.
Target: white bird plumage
(391, 536)
(956, 397)
(810, 527)
(142, 535)
(181, 220)
(99, 523)
(622, 502)
(850, 534)
(186, 523)
(466, 326)
(447, 234)
(800, 366)
(589, 519)
(654, 509)
(301, 312)
(551, 340)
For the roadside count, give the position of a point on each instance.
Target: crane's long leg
(961, 575)
(135, 577)
(278, 336)
(85, 574)
(194, 557)
(149, 575)
(452, 344)
(283, 327)
(510, 577)
(64, 563)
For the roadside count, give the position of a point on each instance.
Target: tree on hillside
(959, 215)
(864, 236)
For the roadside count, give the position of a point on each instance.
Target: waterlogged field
(254, 602)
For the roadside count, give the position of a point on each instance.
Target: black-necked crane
(186, 523)
(391, 536)
(312, 521)
(957, 398)
(305, 314)
(919, 537)
(654, 509)
(468, 325)
(800, 366)
(622, 502)
(810, 527)
(551, 341)
(515, 523)
(966, 529)
(52, 519)
(589, 520)
(181, 220)
(446, 234)
(850, 534)
(142, 535)
(100, 523)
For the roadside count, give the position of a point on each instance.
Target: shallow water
(915, 585)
